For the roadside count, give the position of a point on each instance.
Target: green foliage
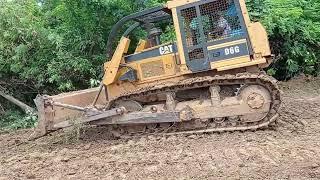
(14, 119)
(58, 43)
(294, 30)
(169, 34)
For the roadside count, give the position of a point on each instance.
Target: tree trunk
(15, 101)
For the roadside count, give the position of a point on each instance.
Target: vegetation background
(53, 46)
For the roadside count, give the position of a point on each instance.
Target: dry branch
(1, 109)
(17, 102)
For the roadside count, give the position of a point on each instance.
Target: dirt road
(290, 150)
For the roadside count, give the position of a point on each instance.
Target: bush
(294, 30)
(14, 119)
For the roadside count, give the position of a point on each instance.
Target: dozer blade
(67, 106)
(69, 109)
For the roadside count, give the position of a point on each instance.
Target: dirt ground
(289, 150)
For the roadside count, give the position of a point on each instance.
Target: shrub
(14, 119)
(294, 30)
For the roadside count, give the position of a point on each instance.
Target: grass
(73, 133)
(14, 119)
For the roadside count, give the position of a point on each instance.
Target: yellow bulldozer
(209, 79)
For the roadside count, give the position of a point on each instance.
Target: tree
(294, 30)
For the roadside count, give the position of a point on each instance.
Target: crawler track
(211, 125)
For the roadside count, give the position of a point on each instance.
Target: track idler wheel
(256, 97)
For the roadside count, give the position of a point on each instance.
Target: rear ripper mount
(254, 105)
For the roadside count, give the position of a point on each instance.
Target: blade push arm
(111, 67)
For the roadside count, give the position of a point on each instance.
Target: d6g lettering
(232, 50)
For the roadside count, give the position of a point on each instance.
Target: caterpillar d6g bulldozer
(208, 79)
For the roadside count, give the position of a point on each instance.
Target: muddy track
(289, 150)
(205, 82)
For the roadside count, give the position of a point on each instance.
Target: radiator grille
(196, 54)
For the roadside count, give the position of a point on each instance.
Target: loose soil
(288, 150)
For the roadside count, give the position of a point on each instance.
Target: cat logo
(166, 49)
